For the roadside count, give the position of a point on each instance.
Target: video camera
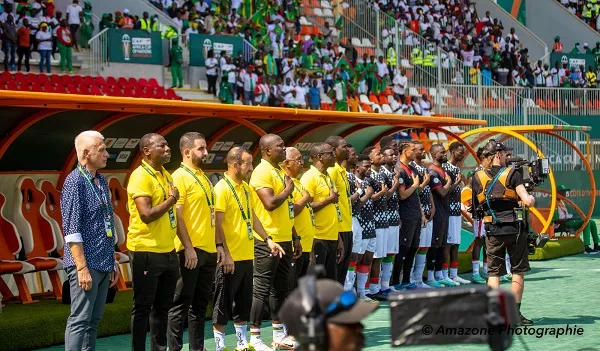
(534, 172)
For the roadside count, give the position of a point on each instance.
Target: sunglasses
(342, 303)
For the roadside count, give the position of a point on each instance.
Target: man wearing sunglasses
(342, 313)
(497, 192)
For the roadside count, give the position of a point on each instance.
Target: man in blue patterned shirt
(88, 226)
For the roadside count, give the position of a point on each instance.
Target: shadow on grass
(571, 321)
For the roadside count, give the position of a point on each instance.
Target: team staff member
(304, 218)
(195, 244)
(88, 225)
(275, 210)
(457, 155)
(324, 197)
(441, 187)
(235, 221)
(151, 243)
(411, 214)
(339, 177)
(504, 230)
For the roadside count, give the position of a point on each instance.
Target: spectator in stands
(211, 64)
(24, 49)
(87, 27)
(575, 50)
(591, 77)
(558, 46)
(176, 60)
(314, 94)
(88, 227)
(64, 47)
(425, 105)
(340, 94)
(127, 20)
(44, 46)
(250, 80)
(74, 16)
(107, 21)
(9, 42)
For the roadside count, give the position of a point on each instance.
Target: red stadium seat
(48, 87)
(159, 93)
(37, 87)
(12, 85)
(143, 82)
(133, 82)
(128, 92)
(77, 79)
(19, 75)
(6, 76)
(110, 80)
(171, 94)
(94, 90)
(66, 79)
(55, 79)
(42, 78)
(31, 77)
(24, 87)
(89, 80)
(123, 82)
(116, 91)
(100, 81)
(83, 89)
(153, 83)
(106, 90)
(72, 89)
(60, 89)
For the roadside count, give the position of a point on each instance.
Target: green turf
(558, 292)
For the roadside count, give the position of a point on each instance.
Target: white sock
(219, 340)
(278, 331)
(350, 277)
(361, 280)
(485, 268)
(240, 334)
(419, 267)
(445, 273)
(386, 274)
(430, 277)
(255, 335)
(453, 272)
(374, 287)
(475, 265)
(507, 259)
(439, 275)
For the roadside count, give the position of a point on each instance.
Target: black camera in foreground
(461, 315)
(534, 172)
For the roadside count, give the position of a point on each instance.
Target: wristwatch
(360, 192)
(297, 237)
(269, 238)
(219, 245)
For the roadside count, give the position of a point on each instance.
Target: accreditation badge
(108, 227)
(212, 216)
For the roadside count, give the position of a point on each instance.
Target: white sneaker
(422, 285)
(287, 343)
(460, 280)
(260, 346)
(367, 299)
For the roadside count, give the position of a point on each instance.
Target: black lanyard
(244, 216)
(100, 195)
(210, 201)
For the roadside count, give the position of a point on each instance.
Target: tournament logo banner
(134, 46)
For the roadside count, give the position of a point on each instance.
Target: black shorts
(498, 245)
(440, 231)
(410, 232)
(233, 288)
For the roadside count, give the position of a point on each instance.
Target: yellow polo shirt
(195, 199)
(303, 222)
(326, 220)
(235, 229)
(157, 236)
(340, 180)
(277, 223)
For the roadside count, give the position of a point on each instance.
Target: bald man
(304, 217)
(274, 207)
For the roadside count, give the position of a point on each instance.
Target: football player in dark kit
(498, 195)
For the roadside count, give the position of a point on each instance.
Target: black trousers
(23, 51)
(154, 276)
(74, 28)
(299, 269)
(342, 267)
(192, 294)
(212, 84)
(233, 294)
(271, 280)
(326, 255)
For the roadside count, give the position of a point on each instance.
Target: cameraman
(341, 328)
(503, 217)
